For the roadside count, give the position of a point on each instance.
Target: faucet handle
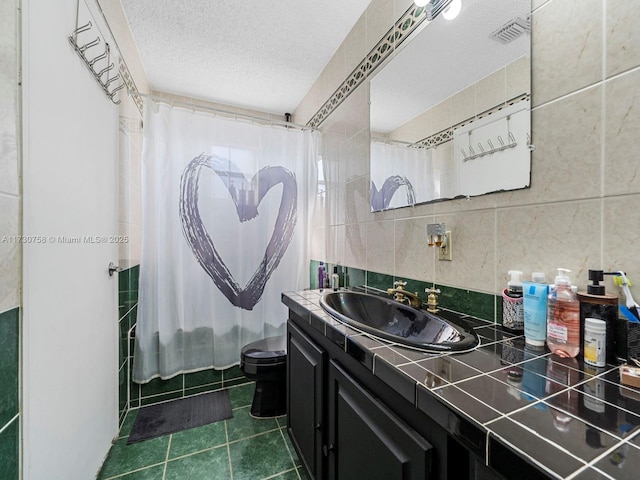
(432, 299)
(400, 284)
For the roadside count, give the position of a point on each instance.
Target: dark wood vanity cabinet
(366, 440)
(340, 430)
(305, 399)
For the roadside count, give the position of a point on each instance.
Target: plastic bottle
(512, 313)
(335, 279)
(595, 342)
(563, 317)
(321, 275)
(534, 304)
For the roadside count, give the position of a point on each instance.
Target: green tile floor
(241, 448)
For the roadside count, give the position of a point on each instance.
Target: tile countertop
(570, 420)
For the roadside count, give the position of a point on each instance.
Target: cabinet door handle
(326, 449)
(317, 427)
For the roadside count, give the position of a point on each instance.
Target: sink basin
(440, 332)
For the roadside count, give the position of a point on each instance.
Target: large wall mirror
(450, 112)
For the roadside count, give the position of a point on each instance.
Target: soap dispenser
(595, 303)
(512, 312)
(563, 317)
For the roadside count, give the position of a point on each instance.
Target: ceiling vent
(511, 30)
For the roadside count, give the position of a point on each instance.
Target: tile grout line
(276, 475)
(253, 436)
(6, 425)
(286, 445)
(532, 460)
(226, 434)
(120, 475)
(197, 452)
(166, 458)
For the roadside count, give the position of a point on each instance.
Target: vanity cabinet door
(366, 440)
(305, 396)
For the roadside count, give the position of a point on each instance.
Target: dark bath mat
(177, 415)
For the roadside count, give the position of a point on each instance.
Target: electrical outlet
(444, 253)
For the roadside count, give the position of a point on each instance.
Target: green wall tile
(9, 358)
(163, 397)
(9, 451)
(129, 279)
(128, 286)
(355, 277)
(379, 280)
(123, 383)
(157, 386)
(481, 305)
(313, 274)
(134, 393)
(205, 377)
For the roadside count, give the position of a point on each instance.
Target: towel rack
(491, 149)
(86, 40)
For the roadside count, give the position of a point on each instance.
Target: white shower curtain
(226, 210)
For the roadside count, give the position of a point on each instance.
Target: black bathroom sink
(430, 332)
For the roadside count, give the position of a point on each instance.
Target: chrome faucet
(400, 294)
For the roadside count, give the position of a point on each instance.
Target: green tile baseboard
(478, 304)
(184, 385)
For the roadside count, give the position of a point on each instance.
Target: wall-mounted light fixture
(433, 7)
(438, 235)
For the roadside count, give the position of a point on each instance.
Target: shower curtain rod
(253, 118)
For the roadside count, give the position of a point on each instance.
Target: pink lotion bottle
(563, 318)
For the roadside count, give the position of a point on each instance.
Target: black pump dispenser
(598, 304)
(596, 276)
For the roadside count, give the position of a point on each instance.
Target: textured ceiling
(257, 54)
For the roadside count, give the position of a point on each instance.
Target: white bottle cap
(595, 324)
(562, 278)
(516, 279)
(538, 277)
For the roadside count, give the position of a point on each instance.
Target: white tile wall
(10, 226)
(583, 207)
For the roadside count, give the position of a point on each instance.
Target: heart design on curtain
(200, 242)
(381, 199)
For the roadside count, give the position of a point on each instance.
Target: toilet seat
(268, 351)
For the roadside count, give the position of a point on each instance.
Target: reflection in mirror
(450, 112)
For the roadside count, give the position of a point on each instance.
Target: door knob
(113, 268)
